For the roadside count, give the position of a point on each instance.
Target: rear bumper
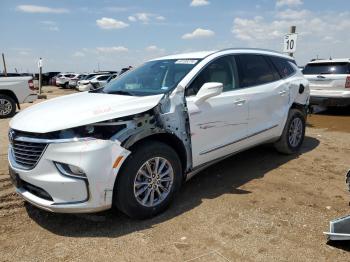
(329, 101)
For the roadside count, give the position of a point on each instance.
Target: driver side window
(221, 70)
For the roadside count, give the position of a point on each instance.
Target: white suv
(329, 82)
(132, 143)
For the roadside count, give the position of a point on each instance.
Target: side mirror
(208, 90)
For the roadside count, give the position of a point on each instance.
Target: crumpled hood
(78, 110)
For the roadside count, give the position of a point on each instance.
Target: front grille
(27, 154)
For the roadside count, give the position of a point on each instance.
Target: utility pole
(40, 65)
(292, 30)
(3, 60)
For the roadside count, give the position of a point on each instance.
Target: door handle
(239, 102)
(282, 93)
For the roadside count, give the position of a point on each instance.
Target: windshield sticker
(186, 61)
(165, 88)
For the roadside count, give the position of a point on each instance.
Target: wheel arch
(167, 138)
(11, 94)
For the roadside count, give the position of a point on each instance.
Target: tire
(125, 190)
(7, 106)
(295, 127)
(66, 85)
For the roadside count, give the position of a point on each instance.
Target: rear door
(267, 93)
(327, 76)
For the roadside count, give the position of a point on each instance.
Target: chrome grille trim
(26, 153)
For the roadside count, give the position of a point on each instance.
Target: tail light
(347, 82)
(31, 85)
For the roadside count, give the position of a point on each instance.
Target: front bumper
(68, 194)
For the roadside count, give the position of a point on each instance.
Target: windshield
(154, 77)
(326, 68)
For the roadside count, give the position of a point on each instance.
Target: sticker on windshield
(186, 61)
(165, 88)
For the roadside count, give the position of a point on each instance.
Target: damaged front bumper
(47, 186)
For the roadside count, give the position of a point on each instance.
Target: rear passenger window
(283, 66)
(255, 70)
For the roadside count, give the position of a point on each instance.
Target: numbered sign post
(40, 66)
(290, 43)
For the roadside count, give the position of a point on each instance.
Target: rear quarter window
(283, 66)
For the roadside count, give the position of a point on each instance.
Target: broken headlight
(104, 130)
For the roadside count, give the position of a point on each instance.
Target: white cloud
(50, 25)
(78, 54)
(41, 9)
(289, 3)
(25, 53)
(199, 33)
(110, 23)
(293, 14)
(132, 18)
(116, 9)
(154, 48)
(145, 18)
(112, 49)
(160, 18)
(53, 28)
(256, 28)
(196, 3)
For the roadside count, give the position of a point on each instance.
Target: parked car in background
(111, 77)
(15, 91)
(329, 82)
(149, 130)
(73, 82)
(47, 77)
(62, 79)
(93, 82)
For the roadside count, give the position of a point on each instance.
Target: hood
(80, 109)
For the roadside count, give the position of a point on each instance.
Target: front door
(219, 124)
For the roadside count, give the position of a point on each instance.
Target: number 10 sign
(290, 43)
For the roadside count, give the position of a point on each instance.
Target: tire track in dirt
(10, 202)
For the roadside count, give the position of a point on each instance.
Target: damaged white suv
(133, 142)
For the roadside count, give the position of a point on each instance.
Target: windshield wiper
(120, 92)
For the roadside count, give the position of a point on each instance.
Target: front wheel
(293, 133)
(148, 181)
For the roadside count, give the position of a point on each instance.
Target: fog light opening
(70, 170)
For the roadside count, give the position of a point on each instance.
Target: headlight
(103, 130)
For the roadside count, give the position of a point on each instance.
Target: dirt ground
(255, 206)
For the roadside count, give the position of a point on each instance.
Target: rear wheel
(7, 106)
(293, 133)
(148, 181)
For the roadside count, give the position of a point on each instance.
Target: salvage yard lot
(255, 206)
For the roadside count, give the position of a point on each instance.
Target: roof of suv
(203, 54)
(337, 60)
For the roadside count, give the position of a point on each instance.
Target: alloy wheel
(5, 107)
(153, 182)
(295, 132)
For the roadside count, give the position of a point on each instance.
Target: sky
(86, 35)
